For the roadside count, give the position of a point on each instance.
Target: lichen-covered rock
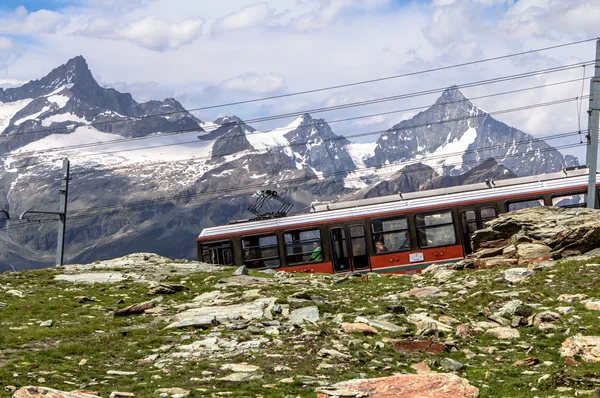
(560, 229)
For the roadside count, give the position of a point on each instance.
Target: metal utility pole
(62, 214)
(592, 136)
(64, 194)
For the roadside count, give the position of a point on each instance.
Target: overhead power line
(200, 197)
(531, 106)
(517, 109)
(225, 191)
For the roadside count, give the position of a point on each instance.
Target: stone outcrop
(543, 231)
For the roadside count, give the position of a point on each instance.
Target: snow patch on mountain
(263, 141)
(62, 117)
(33, 116)
(359, 152)
(451, 153)
(60, 100)
(162, 148)
(9, 109)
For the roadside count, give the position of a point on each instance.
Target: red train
(401, 233)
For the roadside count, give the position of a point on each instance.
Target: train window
(390, 234)
(303, 247)
(524, 204)
(435, 229)
(260, 251)
(468, 221)
(217, 253)
(575, 200)
(487, 214)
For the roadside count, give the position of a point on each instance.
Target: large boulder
(561, 229)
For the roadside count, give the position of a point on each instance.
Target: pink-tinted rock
(359, 328)
(494, 262)
(533, 251)
(423, 345)
(44, 392)
(571, 361)
(463, 331)
(431, 385)
(421, 367)
(572, 298)
(593, 305)
(587, 347)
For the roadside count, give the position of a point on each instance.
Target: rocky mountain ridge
(129, 160)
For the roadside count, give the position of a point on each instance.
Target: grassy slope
(89, 331)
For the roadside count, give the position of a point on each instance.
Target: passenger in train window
(406, 244)
(379, 246)
(317, 254)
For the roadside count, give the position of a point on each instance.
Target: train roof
(421, 200)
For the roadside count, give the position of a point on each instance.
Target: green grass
(89, 331)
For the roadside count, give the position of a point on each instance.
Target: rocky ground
(517, 319)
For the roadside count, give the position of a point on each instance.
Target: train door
(468, 225)
(349, 249)
(472, 220)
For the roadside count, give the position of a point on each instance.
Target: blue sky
(32, 5)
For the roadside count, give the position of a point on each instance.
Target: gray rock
(241, 271)
(383, 325)
(509, 308)
(518, 274)
(504, 333)
(244, 280)
(425, 323)
(238, 377)
(204, 316)
(120, 373)
(269, 271)
(305, 314)
(92, 277)
(565, 310)
(451, 364)
(47, 323)
(255, 329)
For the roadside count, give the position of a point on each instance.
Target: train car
(401, 233)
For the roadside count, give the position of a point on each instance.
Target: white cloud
(148, 32)
(7, 83)
(5, 44)
(321, 14)
(268, 46)
(253, 83)
(247, 17)
(20, 22)
(551, 18)
(374, 120)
